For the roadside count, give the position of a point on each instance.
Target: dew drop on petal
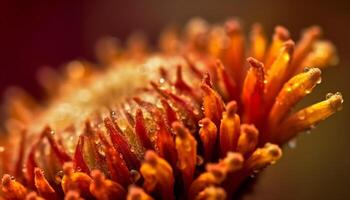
(329, 95)
(306, 69)
(2, 149)
(319, 80)
(58, 177)
(135, 175)
(199, 160)
(292, 143)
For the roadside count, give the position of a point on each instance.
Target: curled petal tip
(263, 157)
(68, 168)
(72, 195)
(33, 196)
(233, 26)
(282, 33)
(234, 160)
(212, 193)
(231, 108)
(255, 63)
(289, 46)
(136, 193)
(335, 100)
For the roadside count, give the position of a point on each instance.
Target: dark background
(37, 33)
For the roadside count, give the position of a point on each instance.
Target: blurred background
(40, 33)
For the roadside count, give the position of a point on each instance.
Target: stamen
(216, 173)
(104, 189)
(324, 54)
(234, 54)
(281, 35)
(33, 196)
(212, 104)
(121, 145)
(226, 83)
(253, 92)
(76, 181)
(72, 195)
(141, 131)
(278, 71)
(291, 93)
(12, 189)
(304, 47)
(208, 135)
(136, 193)
(42, 185)
(258, 42)
(212, 193)
(229, 129)
(186, 146)
(308, 117)
(158, 175)
(118, 170)
(248, 139)
(263, 157)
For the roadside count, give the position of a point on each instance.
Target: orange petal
(211, 193)
(291, 93)
(12, 189)
(257, 42)
(104, 189)
(42, 185)
(281, 35)
(253, 91)
(263, 157)
(158, 175)
(248, 139)
(186, 146)
(76, 181)
(277, 73)
(136, 193)
(229, 129)
(234, 54)
(304, 47)
(208, 135)
(323, 55)
(216, 173)
(212, 104)
(309, 117)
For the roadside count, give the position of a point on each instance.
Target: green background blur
(36, 33)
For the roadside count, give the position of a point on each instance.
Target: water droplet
(2, 149)
(313, 126)
(52, 132)
(302, 117)
(161, 80)
(329, 95)
(319, 80)
(58, 177)
(306, 69)
(292, 143)
(199, 160)
(307, 91)
(265, 81)
(135, 175)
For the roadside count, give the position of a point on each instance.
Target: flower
(193, 120)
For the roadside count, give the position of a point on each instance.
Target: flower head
(193, 120)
